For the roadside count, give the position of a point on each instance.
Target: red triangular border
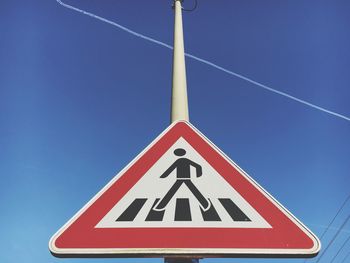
(286, 237)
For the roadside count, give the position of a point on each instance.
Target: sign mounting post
(179, 102)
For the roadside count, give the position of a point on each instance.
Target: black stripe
(155, 215)
(233, 210)
(182, 211)
(131, 212)
(210, 214)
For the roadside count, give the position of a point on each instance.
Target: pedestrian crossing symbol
(183, 196)
(182, 190)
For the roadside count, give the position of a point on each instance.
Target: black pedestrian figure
(183, 176)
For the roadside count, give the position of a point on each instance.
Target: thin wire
(331, 228)
(115, 24)
(340, 249)
(206, 62)
(268, 88)
(347, 255)
(193, 8)
(329, 225)
(332, 240)
(339, 210)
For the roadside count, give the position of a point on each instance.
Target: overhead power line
(333, 239)
(339, 210)
(340, 249)
(142, 36)
(345, 258)
(333, 219)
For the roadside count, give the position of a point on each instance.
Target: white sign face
(202, 198)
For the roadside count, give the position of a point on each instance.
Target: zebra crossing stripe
(154, 215)
(133, 209)
(233, 210)
(210, 214)
(182, 210)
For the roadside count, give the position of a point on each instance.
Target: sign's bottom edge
(178, 254)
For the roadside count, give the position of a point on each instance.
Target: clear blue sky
(79, 99)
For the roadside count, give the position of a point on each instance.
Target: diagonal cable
(347, 255)
(333, 239)
(332, 221)
(340, 249)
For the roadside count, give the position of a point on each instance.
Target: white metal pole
(179, 103)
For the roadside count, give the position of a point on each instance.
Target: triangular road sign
(183, 197)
